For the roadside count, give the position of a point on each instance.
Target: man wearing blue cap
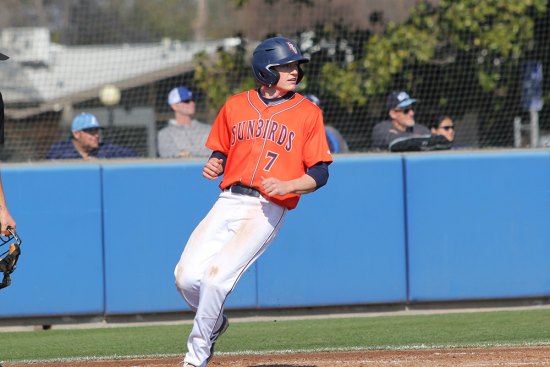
(183, 136)
(6, 220)
(85, 143)
(401, 123)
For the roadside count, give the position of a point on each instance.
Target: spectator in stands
(444, 125)
(336, 142)
(183, 136)
(85, 142)
(6, 220)
(401, 123)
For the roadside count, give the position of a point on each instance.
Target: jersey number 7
(272, 156)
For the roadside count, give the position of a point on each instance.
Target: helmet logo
(292, 48)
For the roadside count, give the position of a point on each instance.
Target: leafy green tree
(223, 75)
(492, 33)
(455, 56)
(465, 45)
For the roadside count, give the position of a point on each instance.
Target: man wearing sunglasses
(445, 126)
(401, 122)
(183, 136)
(85, 142)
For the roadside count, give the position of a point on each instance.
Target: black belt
(244, 190)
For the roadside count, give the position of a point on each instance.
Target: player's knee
(184, 280)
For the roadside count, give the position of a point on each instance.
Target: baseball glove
(9, 262)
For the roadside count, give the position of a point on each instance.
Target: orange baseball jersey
(280, 141)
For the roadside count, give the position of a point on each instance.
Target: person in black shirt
(401, 123)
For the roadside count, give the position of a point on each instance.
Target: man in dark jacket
(84, 142)
(401, 123)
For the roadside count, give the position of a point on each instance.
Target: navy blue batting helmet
(273, 52)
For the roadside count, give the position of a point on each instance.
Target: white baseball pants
(232, 236)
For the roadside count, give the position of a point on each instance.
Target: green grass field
(497, 328)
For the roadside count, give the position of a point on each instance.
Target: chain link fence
(481, 64)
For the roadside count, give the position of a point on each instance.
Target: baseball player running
(270, 146)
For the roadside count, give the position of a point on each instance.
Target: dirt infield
(461, 357)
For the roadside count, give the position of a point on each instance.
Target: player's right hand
(213, 168)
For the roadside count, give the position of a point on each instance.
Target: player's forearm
(2, 196)
(302, 185)
(6, 219)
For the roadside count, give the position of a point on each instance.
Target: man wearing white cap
(85, 142)
(183, 136)
(401, 123)
(6, 220)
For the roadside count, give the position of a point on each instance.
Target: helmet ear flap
(267, 76)
(300, 74)
(274, 77)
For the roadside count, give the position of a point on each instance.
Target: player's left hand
(273, 186)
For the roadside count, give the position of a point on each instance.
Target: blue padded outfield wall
(104, 238)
